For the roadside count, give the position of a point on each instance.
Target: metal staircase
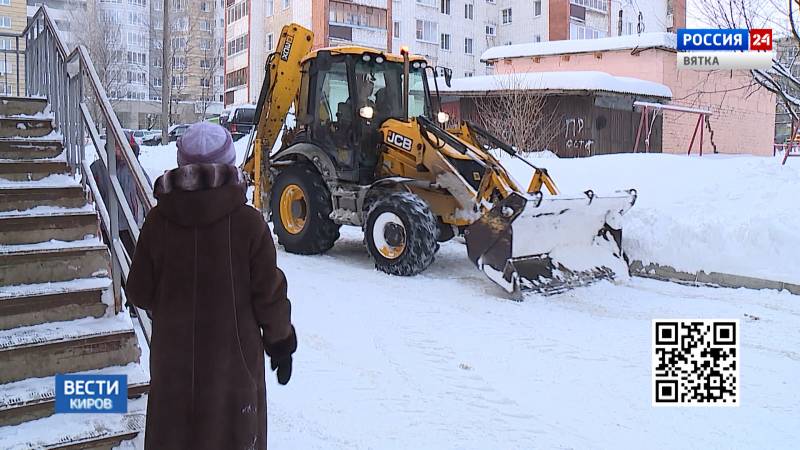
(61, 292)
(57, 311)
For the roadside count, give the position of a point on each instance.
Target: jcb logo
(399, 140)
(287, 48)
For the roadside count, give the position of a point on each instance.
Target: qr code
(695, 362)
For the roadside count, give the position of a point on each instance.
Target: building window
(506, 16)
(156, 60)
(237, 45)
(285, 4)
(491, 1)
(178, 5)
(5, 2)
(270, 8)
(427, 2)
(468, 74)
(579, 31)
(537, 38)
(597, 5)
(204, 7)
(396, 29)
(236, 78)
(445, 42)
(178, 62)
(205, 44)
(491, 29)
(178, 43)
(537, 8)
(270, 43)
(469, 8)
(427, 31)
(205, 25)
(5, 22)
(237, 11)
(357, 15)
(5, 68)
(445, 7)
(181, 24)
(468, 46)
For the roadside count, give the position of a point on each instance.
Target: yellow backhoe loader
(368, 148)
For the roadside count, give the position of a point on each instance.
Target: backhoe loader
(369, 148)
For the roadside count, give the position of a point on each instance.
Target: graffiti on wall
(575, 138)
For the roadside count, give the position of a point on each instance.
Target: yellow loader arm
(281, 87)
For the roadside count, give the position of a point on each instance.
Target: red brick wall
(558, 20)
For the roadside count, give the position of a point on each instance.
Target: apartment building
(454, 33)
(253, 27)
(125, 40)
(450, 33)
(12, 21)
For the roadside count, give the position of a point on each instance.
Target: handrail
(61, 75)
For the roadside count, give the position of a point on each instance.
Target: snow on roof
(561, 81)
(641, 41)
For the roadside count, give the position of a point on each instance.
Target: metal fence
(78, 100)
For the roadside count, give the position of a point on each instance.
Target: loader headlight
(379, 59)
(442, 117)
(366, 112)
(366, 58)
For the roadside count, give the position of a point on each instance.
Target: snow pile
(564, 81)
(731, 214)
(640, 41)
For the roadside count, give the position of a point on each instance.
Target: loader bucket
(550, 244)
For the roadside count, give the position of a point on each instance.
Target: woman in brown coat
(205, 269)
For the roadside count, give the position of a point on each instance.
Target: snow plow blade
(531, 243)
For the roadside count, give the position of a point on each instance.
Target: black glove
(284, 367)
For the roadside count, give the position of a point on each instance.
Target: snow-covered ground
(443, 361)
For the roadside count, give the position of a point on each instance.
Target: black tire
(409, 247)
(318, 232)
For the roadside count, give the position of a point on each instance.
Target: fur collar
(198, 177)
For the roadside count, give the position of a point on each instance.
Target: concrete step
(34, 398)
(22, 196)
(30, 149)
(62, 347)
(29, 227)
(78, 431)
(53, 261)
(31, 169)
(32, 304)
(26, 127)
(11, 105)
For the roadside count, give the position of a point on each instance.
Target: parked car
(139, 135)
(174, 133)
(240, 121)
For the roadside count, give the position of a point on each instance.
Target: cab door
(333, 119)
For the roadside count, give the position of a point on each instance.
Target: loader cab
(350, 92)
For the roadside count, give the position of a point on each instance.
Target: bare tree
(100, 32)
(779, 78)
(516, 113)
(210, 88)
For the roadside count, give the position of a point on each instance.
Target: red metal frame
(644, 123)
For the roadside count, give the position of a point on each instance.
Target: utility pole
(166, 80)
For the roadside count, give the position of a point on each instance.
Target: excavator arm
(281, 86)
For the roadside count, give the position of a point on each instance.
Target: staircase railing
(69, 80)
